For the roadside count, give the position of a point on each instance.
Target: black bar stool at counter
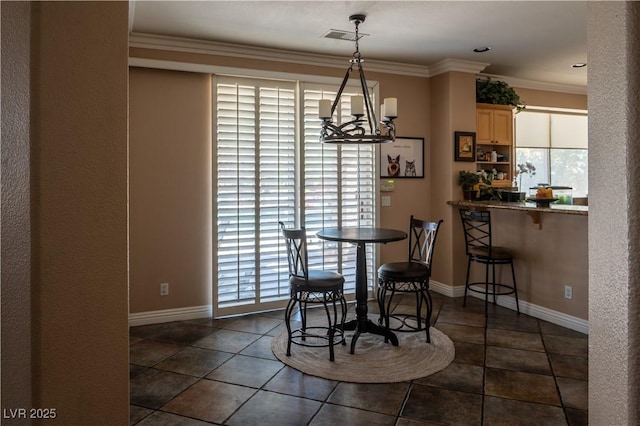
(476, 225)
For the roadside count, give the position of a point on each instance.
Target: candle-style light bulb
(357, 105)
(391, 107)
(325, 108)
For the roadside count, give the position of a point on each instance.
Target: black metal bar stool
(479, 248)
(315, 287)
(411, 276)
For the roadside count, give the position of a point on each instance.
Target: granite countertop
(523, 206)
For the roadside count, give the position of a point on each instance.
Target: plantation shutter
(338, 182)
(255, 188)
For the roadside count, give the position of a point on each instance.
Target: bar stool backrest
(477, 231)
(422, 240)
(296, 240)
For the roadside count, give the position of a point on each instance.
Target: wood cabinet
(494, 133)
(494, 124)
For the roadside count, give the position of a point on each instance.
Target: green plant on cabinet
(497, 92)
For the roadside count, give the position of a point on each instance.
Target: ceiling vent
(342, 35)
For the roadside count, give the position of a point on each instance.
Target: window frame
(548, 147)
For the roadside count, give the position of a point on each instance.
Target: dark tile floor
(508, 369)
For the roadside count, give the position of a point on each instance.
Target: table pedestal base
(368, 326)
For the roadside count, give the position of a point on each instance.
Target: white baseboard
(446, 290)
(168, 315)
(540, 312)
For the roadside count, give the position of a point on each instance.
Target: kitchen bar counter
(530, 208)
(524, 206)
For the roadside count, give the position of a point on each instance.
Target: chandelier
(361, 106)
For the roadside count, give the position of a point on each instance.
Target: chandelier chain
(356, 54)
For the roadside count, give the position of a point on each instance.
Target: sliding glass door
(270, 166)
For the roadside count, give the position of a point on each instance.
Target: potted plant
(524, 168)
(497, 92)
(487, 191)
(468, 181)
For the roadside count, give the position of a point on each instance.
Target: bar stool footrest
(316, 337)
(406, 326)
(501, 289)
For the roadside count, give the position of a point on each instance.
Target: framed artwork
(465, 146)
(403, 158)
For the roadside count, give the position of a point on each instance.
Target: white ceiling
(536, 41)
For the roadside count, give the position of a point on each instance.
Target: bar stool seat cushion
(497, 253)
(399, 271)
(318, 281)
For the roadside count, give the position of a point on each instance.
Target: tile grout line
(553, 374)
(484, 370)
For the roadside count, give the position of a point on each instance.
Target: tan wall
(552, 99)
(170, 189)
(79, 218)
(410, 196)
(453, 108)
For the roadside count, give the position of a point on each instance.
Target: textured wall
(633, 173)
(614, 153)
(16, 205)
(79, 169)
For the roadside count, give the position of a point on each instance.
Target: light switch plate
(386, 201)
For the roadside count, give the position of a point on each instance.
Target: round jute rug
(374, 361)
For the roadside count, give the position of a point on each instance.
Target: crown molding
(132, 9)
(161, 64)
(458, 65)
(158, 42)
(205, 47)
(539, 85)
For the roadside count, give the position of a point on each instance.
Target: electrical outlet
(164, 289)
(568, 292)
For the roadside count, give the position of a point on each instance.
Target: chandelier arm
(339, 95)
(371, 115)
(355, 123)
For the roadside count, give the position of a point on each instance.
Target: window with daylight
(270, 166)
(556, 143)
